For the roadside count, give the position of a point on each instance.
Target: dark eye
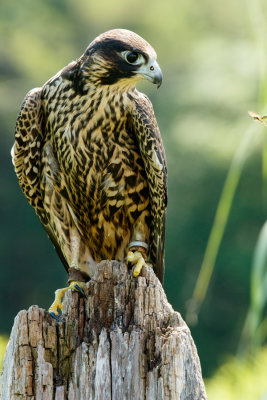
(132, 57)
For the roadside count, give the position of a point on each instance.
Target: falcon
(90, 160)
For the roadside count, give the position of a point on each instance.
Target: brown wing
(26, 151)
(151, 147)
(27, 158)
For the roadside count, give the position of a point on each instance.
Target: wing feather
(151, 147)
(27, 158)
(26, 151)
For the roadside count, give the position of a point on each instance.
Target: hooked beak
(151, 72)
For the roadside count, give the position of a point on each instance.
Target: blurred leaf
(3, 344)
(236, 380)
(220, 221)
(254, 331)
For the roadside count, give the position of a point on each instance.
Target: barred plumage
(89, 156)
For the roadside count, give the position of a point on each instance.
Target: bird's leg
(77, 281)
(138, 247)
(57, 303)
(137, 256)
(78, 286)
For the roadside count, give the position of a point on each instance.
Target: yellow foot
(59, 294)
(136, 258)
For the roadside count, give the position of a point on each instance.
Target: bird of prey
(90, 160)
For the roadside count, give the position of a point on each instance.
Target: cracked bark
(124, 341)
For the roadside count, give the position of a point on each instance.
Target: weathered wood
(124, 341)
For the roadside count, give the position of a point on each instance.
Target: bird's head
(122, 57)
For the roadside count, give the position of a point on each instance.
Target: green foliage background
(213, 63)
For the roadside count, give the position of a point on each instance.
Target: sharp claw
(56, 317)
(79, 289)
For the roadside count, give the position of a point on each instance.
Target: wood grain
(124, 341)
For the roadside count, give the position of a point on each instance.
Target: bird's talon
(137, 259)
(79, 289)
(56, 317)
(59, 294)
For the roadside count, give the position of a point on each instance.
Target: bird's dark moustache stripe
(115, 75)
(116, 67)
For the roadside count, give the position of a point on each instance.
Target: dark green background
(208, 54)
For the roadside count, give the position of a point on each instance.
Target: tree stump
(123, 341)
